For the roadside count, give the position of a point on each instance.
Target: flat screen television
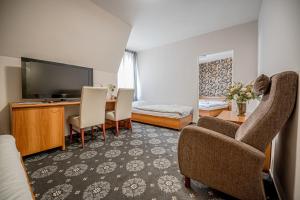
(53, 81)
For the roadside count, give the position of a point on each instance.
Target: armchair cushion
(219, 125)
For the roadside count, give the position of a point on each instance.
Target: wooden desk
(233, 117)
(40, 126)
(109, 104)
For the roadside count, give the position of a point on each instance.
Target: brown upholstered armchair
(229, 157)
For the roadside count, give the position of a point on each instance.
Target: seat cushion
(13, 180)
(74, 120)
(110, 115)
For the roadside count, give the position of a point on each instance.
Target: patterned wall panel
(215, 77)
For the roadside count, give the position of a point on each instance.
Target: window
(127, 74)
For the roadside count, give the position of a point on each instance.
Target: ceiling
(158, 22)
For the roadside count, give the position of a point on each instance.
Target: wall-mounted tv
(50, 80)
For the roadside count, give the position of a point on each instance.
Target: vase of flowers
(242, 108)
(241, 94)
(111, 89)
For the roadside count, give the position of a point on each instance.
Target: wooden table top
(233, 116)
(24, 104)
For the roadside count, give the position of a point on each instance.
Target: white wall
(11, 89)
(169, 74)
(68, 31)
(279, 48)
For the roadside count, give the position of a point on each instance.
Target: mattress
(212, 104)
(13, 180)
(160, 110)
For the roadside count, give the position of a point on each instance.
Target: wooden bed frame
(163, 121)
(212, 113)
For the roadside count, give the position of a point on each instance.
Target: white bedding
(212, 105)
(173, 111)
(13, 180)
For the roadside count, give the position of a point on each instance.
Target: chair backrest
(272, 113)
(92, 106)
(123, 106)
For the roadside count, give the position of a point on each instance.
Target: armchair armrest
(219, 161)
(219, 125)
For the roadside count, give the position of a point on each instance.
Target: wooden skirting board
(163, 121)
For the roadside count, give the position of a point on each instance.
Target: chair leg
(71, 132)
(187, 182)
(117, 128)
(103, 131)
(130, 124)
(82, 136)
(92, 131)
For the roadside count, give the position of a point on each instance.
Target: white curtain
(127, 74)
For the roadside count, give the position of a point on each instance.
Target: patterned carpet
(139, 164)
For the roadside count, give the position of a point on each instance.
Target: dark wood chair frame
(127, 123)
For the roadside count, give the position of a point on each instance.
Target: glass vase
(242, 108)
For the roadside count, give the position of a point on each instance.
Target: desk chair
(123, 108)
(92, 111)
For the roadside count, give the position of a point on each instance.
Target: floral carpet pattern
(138, 164)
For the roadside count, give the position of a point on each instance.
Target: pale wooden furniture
(163, 121)
(123, 108)
(92, 112)
(233, 117)
(214, 112)
(110, 104)
(211, 113)
(40, 126)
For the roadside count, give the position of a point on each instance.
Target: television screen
(50, 80)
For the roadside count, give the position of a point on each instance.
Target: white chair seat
(110, 115)
(74, 120)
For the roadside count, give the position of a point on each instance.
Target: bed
(212, 106)
(170, 116)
